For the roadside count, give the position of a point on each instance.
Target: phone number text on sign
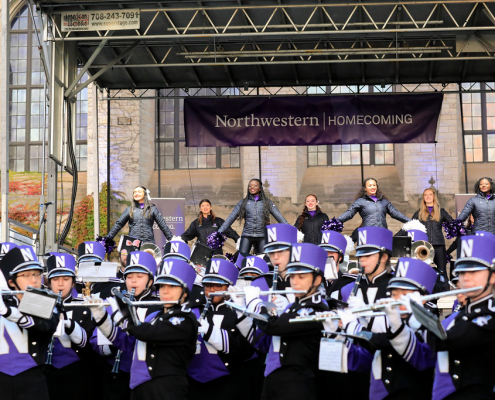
(100, 20)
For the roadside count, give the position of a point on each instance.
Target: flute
(435, 296)
(333, 316)
(132, 303)
(262, 293)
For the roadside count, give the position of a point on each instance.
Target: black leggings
(248, 241)
(440, 258)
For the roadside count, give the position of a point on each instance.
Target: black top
(434, 229)
(311, 226)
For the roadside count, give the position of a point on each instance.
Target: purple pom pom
(449, 258)
(333, 225)
(230, 257)
(215, 240)
(454, 228)
(108, 244)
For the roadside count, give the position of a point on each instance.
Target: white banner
(100, 20)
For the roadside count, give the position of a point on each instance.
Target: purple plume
(108, 244)
(215, 240)
(454, 228)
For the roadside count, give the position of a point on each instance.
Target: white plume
(176, 239)
(350, 245)
(414, 224)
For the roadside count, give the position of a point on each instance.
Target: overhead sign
(100, 20)
(306, 120)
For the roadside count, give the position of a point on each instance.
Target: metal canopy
(273, 43)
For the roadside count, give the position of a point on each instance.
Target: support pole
(463, 142)
(361, 161)
(4, 116)
(108, 164)
(96, 161)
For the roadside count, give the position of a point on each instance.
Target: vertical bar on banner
(158, 145)
(108, 163)
(463, 142)
(96, 162)
(361, 161)
(4, 116)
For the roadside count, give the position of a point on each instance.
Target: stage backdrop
(305, 120)
(174, 211)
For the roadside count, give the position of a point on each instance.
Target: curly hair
(362, 191)
(147, 205)
(300, 219)
(477, 185)
(263, 198)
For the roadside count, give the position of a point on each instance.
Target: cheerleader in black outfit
(311, 220)
(205, 224)
(432, 217)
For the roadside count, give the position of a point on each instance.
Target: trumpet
(132, 303)
(325, 316)
(423, 250)
(262, 293)
(435, 296)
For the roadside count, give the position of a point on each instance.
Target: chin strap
(311, 288)
(377, 264)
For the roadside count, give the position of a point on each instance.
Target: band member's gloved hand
(356, 302)
(416, 297)
(237, 244)
(300, 237)
(281, 302)
(330, 325)
(394, 319)
(3, 308)
(350, 323)
(204, 326)
(117, 316)
(97, 312)
(251, 293)
(237, 299)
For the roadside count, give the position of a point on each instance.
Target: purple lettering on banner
(174, 212)
(319, 120)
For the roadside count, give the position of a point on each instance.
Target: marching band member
(165, 342)
(25, 338)
(465, 368)
(69, 354)
(402, 366)
(482, 207)
(5, 247)
(217, 368)
(253, 267)
(95, 252)
(292, 361)
(255, 210)
(311, 220)
(128, 245)
(139, 276)
(372, 206)
(205, 224)
(141, 215)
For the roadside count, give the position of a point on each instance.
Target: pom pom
(414, 224)
(449, 258)
(108, 244)
(454, 228)
(230, 257)
(350, 245)
(215, 240)
(333, 225)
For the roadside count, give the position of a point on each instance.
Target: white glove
(281, 302)
(237, 244)
(347, 318)
(416, 297)
(237, 299)
(3, 308)
(394, 319)
(98, 312)
(251, 293)
(356, 302)
(204, 326)
(330, 325)
(300, 237)
(117, 315)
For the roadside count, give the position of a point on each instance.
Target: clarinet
(116, 364)
(357, 282)
(52, 343)
(275, 280)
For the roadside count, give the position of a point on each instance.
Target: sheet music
(333, 356)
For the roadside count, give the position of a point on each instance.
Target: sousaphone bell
(154, 250)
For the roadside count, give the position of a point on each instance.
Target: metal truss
(337, 90)
(236, 34)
